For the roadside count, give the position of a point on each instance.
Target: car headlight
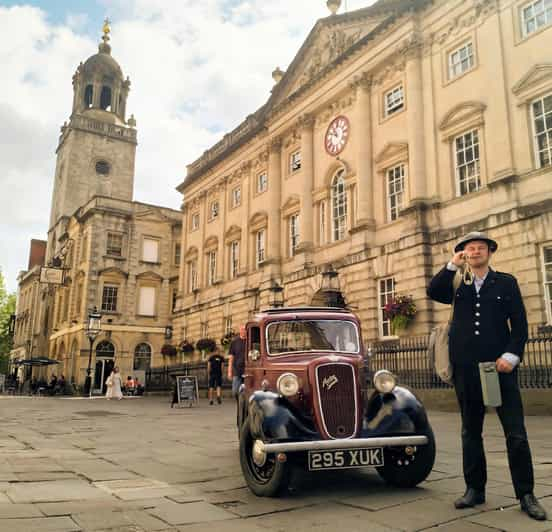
(288, 384)
(384, 381)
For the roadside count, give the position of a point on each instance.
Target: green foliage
(7, 308)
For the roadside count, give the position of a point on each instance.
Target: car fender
(271, 418)
(395, 413)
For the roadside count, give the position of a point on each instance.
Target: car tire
(402, 471)
(267, 481)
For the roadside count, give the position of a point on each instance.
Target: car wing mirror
(254, 354)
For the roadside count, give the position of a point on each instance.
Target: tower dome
(99, 86)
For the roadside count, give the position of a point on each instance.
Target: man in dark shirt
(214, 370)
(236, 364)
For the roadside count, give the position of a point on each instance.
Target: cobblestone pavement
(69, 464)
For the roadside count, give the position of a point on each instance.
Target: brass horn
(467, 273)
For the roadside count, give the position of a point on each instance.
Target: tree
(7, 308)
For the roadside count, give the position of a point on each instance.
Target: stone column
(183, 246)
(364, 153)
(201, 260)
(274, 199)
(96, 95)
(306, 219)
(415, 120)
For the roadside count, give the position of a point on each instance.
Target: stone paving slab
(12, 511)
(513, 519)
(58, 490)
(118, 520)
(193, 512)
(42, 524)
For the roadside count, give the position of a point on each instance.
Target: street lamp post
(93, 328)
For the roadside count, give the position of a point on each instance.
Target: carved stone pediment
(210, 242)
(391, 153)
(291, 205)
(462, 116)
(539, 78)
(113, 271)
(152, 276)
(258, 221)
(232, 233)
(191, 253)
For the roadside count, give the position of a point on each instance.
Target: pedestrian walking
(214, 372)
(489, 324)
(114, 385)
(236, 362)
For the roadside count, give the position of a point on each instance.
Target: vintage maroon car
(304, 404)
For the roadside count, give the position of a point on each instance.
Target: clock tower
(97, 146)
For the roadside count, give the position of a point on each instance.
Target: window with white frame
(542, 128)
(466, 158)
(109, 298)
(204, 329)
(213, 210)
(192, 275)
(395, 191)
(174, 294)
(339, 207)
(150, 250)
(386, 293)
(547, 276)
(114, 244)
(259, 247)
(460, 60)
(211, 268)
(293, 234)
(234, 258)
(228, 324)
(295, 161)
(322, 235)
(236, 196)
(394, 100)
(177, 253)
(194, 225)
(262, 182)
(536, 15)
(146, 301)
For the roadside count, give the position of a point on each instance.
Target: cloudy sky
(197, 67)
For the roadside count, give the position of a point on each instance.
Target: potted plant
(226, 340)
(187, 347)
(206, 345)
(400, 311)
(169, 350)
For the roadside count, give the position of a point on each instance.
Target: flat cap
(475, 235)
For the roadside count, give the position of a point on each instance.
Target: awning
(36, 361)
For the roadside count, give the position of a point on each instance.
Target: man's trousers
(467, 384)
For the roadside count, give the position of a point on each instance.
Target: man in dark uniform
(489, 324)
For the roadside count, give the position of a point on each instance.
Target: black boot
(532, 508)
(471, 498)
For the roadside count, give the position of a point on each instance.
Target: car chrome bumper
(348, 443)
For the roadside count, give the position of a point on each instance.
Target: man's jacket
(487, 324)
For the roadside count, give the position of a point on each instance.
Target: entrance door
(104, 367)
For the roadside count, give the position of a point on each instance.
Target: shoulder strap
(456, 282)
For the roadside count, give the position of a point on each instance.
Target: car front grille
(337, 396)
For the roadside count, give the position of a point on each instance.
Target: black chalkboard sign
(188, 389)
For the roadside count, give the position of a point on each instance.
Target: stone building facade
(118, 255)
(396, 129)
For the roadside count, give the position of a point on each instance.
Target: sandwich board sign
(187, 389)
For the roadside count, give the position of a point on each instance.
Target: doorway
(104, 367)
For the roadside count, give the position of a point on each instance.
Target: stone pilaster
(274, 198)
(306, 218)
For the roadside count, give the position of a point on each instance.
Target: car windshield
(312, 335)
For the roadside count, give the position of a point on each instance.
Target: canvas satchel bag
(438, 347)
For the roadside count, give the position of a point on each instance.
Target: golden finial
(106, 30)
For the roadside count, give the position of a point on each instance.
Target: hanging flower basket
(169, 350)
(206, 344)
(187, 347)
(400, 311)
(226, 340)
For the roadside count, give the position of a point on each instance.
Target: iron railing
(408, 359)
(162, 379)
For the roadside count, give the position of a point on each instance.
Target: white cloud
(197, 70)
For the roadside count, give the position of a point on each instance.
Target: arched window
(105, 349)
(339, 207)
(105, 98)
(88, 96)
(142, 357)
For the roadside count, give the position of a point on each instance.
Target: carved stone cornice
(306, 122)
(275, 144)
(362, 81)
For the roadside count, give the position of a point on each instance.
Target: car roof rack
(280, 310)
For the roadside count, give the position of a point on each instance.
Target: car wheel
(406, 471)
(266, 479)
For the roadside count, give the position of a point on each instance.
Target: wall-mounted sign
(51, 275)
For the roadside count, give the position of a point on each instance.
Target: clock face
(337, 135)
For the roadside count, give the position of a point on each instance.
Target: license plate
(345, 458)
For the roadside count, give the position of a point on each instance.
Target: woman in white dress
(114, 385)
